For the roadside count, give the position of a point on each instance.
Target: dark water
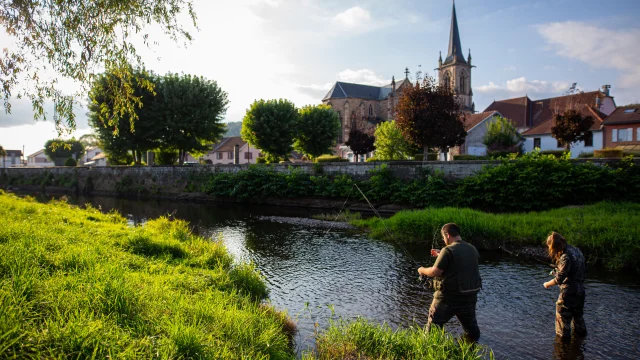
(312, 274)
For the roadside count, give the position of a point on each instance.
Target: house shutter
(630, 134)
(614, 135)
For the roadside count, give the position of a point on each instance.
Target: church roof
(342, 90)
(455, 54)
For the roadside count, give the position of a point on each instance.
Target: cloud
(22, 114)
(354, 17)
(360, 76)
(597, 46)
(521, 86)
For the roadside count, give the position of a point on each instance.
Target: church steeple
(455, 54)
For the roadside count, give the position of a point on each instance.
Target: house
(39, 159)
(476, 127)
(90, 153)
(99, 160)
(12, 158)
(622, 129)
(223, 152)
(526, 114)
(540, 136)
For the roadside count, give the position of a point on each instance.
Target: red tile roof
(516, 110)
(545, 127)
(472, 120)
(624, 115)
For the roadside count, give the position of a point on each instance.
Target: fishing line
(339, 212)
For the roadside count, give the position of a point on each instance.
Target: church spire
(455, 54)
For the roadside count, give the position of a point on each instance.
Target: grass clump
(606, 232)
(361, 339)
(76, 283)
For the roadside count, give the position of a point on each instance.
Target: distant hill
(233, 128)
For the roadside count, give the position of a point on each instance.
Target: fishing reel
(553, 271)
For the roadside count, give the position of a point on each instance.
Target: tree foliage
(571, 127)
(89, 140)
(428, 115)
(59, 151)
(191, 109)
(120, 138)
(390, 144)
(2, 151)
(71, 39)
(269, 125)
(502, 137)
(318, 128)
(360, 142)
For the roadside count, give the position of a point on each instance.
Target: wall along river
(315, 276)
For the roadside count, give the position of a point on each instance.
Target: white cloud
(354, 17)
(596, 46)
(521, 86)
(360, 76)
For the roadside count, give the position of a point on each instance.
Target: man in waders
(456, 281)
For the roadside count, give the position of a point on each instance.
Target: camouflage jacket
(570, 271)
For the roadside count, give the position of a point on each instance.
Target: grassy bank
(81, 284)
(361, 339)
(606, 232)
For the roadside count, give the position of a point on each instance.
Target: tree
(269, 125)
(318, 128)
(137, 141)
(191, 109)
(89, 140)
(59, 151)
(502, 137)
(360, 142)
(2, 151)
(233, 128)
(429, 115)
(390, 144)
(571, 127)
(70, 39)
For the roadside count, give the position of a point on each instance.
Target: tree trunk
(425, 153)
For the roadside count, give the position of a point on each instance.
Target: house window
(536, 143)
(219, 156)
(248, 156)
(559, 144)
(230, 155)
(588, 140)
(638, 134)
(623, 135)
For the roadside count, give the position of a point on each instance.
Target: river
(317, 275)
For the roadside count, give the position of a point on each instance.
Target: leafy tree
(166, 157)
(390, 144)
(318, 128)
(72, 38)
(89, 140)
(429, 115)
(269, 125)
(59, 151)
(191, 110)
(137, 141)
(360, 142)
(233, 128)
(2, 152)
(571, 127)
(502, 137)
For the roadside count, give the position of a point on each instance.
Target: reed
(606, 232)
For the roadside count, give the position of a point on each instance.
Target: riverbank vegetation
(82, 284)
(360, 339)
(608, 233)
(532, 182)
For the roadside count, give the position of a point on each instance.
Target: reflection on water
(308, 271)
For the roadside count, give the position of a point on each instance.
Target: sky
(297, 49)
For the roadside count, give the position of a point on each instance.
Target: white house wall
(548, 142)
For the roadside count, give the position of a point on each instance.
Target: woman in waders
(569, 276)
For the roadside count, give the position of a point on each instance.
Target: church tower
(455, 71)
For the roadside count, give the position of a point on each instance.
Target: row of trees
(277, 127)
(174, 115)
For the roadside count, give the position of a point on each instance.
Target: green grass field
(608, 233)
(77, 284)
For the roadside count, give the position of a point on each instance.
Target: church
(365, 106)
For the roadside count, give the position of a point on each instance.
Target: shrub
(166, 157)
(502, 136)
(371, 159)
(330, 158)
(430, 157)
(70, 162)
(585, 155)
(556, 153)
(608, 153)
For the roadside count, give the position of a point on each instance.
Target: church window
(341, 128)
(447, 80)
(463, 82)
(370, 110)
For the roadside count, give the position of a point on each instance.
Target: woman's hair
(556, 244)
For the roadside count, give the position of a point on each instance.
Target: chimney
(598, 101)
(605, 89)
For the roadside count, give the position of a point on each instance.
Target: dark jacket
(570, 271)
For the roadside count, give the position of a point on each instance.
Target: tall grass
(607, 233)
(77, 283)
(360, 339)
